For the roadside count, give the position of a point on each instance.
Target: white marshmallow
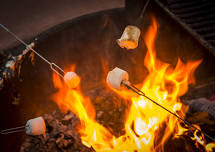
(115, 77)
(71, 79)
(129, 38)
(35, 126)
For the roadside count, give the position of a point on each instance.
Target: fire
(145, 122)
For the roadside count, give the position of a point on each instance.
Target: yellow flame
(210, 147)
(144, 120)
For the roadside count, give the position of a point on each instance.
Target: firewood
(201, 105)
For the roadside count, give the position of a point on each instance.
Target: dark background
(28, 18)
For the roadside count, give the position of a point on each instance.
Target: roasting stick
(144, 9)
(37, 126)
(118, 78)
(70, 78)
(12, 130)
(139, 92)
(51, 64)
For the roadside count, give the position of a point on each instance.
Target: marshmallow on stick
(129, 38)
(35, 126)
(71, 79)
(116, 77)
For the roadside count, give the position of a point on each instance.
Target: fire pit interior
(87, 45)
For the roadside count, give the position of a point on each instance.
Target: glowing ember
(144, 120)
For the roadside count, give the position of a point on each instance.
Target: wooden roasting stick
(118, 78)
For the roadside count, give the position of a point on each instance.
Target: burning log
(12, 67)
(70, 78)
(59, 135)
(201, 105)
(139, 127)
(116, 75)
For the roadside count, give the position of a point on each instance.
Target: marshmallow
(35, 126)
(129, 38)
(115, 77)
(71, 79)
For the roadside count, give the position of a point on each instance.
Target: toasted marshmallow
(35, 126)
(71, 79)
(129, 38)
(115, 78)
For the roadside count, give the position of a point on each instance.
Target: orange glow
(199, 139)
(210, 147)
(129, 44)
(144, 120)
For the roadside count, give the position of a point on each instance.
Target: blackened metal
(196, 16)
(144, 9)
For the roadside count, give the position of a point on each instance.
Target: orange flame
(144, 120)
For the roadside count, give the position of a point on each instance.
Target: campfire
(156, 99)
(146, 126)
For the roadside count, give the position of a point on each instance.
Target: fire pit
(87, 45)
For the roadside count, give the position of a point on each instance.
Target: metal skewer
(139, 92)
(52, 65)
(12, 130)
(144, 9)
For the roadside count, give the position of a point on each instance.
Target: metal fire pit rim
(19, 51)
(61, 26)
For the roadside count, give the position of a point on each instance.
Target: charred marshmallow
(35, 126)
(71, 79)
(129, 38)
(116, 77)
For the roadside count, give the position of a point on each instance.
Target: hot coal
(62, 134)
